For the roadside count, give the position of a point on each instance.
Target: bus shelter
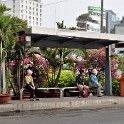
(63, 38)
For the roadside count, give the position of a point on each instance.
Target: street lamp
(101, 27)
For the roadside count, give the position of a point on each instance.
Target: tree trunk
(58, 75)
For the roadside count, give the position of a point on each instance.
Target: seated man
(93, 82)
(80, 82)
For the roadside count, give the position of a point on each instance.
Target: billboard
(92, 27)
(95, 14)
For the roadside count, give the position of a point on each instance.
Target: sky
(69, 10)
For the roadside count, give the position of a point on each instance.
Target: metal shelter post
(108, 81)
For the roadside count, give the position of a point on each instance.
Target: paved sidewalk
(66, 102)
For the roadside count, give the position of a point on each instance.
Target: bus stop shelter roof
(63, 38)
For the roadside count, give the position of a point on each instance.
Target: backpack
(85, 93)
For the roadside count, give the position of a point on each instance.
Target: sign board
(95, 14)
(24, 40)
(92, 27)
(95, 8)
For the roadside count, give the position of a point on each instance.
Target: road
(102, 115)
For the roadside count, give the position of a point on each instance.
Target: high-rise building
(30, 10)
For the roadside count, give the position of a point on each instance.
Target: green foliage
(121, 65)
(67, 79)
(86, 80)
(116, 87)
(60, 25)
(72, 28)
(84, 17)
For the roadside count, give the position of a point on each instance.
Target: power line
(43, 5)
(62, 1)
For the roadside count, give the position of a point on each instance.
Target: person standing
(29, 85)
(80, 82)
(93, 82)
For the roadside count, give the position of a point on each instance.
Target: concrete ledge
(52, 103)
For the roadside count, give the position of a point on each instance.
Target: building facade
(30, 10)
(111, 20)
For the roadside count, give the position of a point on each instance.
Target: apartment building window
(36, 14)
(37, 5)
(21, 16)
(40, 24)
(21, 11)
(29, 8)
(36, 23)
(29, 17)
(29, 12)
(22, 1)
(22, 6)
(33, 13)
(36, 19)
(36, 9)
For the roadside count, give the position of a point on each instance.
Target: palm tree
(56, 58)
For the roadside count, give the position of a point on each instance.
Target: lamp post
(101, 26)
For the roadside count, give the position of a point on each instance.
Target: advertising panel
(92, 27)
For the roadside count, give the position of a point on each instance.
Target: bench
(54, 88)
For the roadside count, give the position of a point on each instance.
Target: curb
(40, 105)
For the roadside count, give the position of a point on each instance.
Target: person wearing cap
(29, 85)
(80, 82)
(93, 82)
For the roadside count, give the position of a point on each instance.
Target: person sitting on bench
(93, 82)
(80, 82)
(29, 85)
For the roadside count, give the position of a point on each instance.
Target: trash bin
(122, 86)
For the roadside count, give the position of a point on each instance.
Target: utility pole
(101, 26)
